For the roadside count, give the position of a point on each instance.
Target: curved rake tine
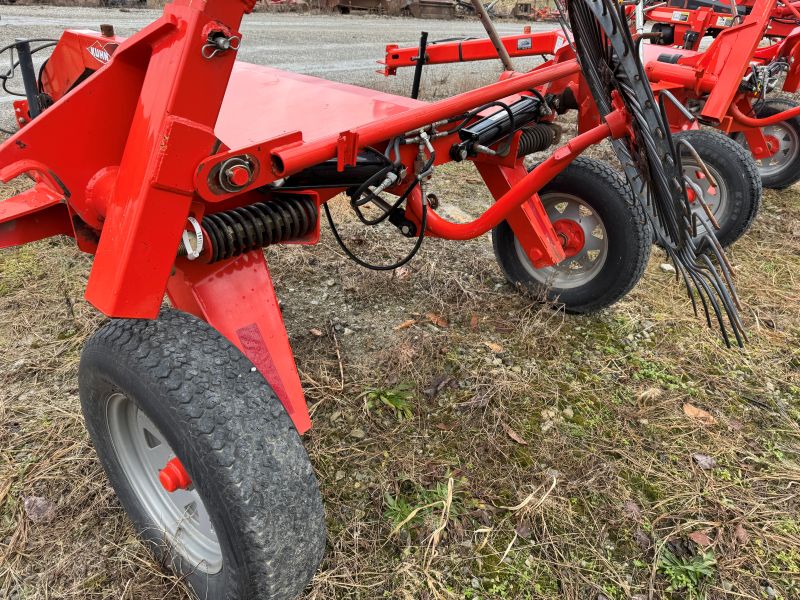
(701, 282)
(709, 271)
(681, 270)
(677, 103)
(652, 161)
(728, 298)
(736, 325)
(700, 199)
(704, 293)
(722, 258)
(700, 162)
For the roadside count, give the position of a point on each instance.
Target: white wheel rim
(180, 516)
(784, 156)
(584, 266)
(716, 198)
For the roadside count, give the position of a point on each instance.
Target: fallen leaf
(650, 394)
(446, 426)
(496, 348)
(316, 332)
(680, 547)
(38, 509)
(523, 530)
(405, 324)
(473, 321)
(705, 417)
(741, 535)
(358, 434)
(700, 538)
(642, 539)
(437, 320)
(632, 510)
(513, 434)
(438, 384)
(704, 462)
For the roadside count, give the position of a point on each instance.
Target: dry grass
(546, 456)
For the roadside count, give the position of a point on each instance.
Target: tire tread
(253, 462)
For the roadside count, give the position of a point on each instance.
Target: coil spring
(234, 232)
(538, 137)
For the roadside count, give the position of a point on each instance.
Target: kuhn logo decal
(100, 52)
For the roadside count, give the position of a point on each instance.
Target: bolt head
(238, 175)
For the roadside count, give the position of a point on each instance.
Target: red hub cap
(571, 236)
(174, 476)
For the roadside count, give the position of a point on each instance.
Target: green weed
(688, 574)
(397, 399)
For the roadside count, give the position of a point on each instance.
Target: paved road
(342, 48)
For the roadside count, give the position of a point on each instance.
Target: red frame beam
(522, 190)
(296, 157)
(525, 44)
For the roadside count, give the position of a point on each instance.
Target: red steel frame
(525, 44)
(713, 76)
(133, 172)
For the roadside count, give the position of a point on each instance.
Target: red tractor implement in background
(684, 23)
(191, 163)
(726, 86)
(727, 186)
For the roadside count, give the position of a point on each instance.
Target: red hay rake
(727, 85)
(174, 166)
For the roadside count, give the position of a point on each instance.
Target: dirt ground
(623, 455)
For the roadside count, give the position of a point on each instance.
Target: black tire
(787, 170)
(738, 198)
(628, 238)
(233, 436)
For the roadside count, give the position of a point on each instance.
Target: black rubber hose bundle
(609, 63)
